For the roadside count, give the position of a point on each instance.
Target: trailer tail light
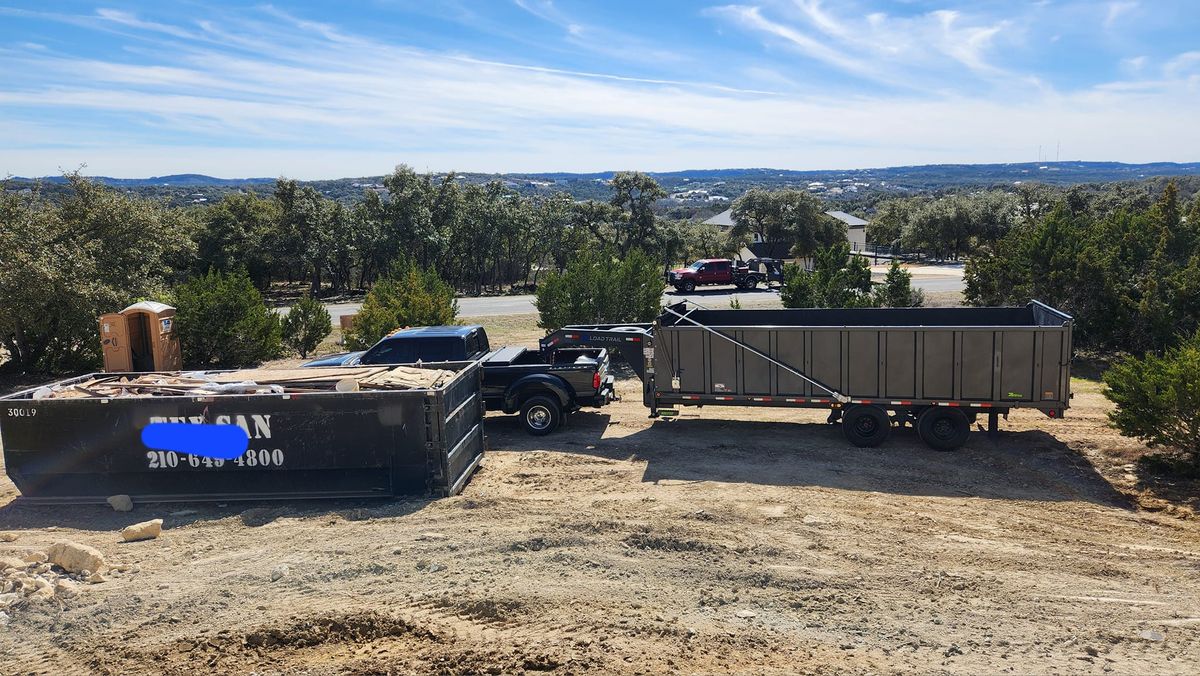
(596, 380)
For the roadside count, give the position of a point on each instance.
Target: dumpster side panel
(937, 376)
(900, 364)
(1017, 365)
(789, 349)
(756, 371)
(723, 363)
(826, 360)
(863, 363)
(461, 441)
(978, 355)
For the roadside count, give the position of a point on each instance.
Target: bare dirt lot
(726, 541)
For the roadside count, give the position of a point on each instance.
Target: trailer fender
(537, 383)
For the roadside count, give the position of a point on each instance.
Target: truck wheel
(866, 426)
(687, 287)
(541, 415)
(943, 429)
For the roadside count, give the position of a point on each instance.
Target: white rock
(7, 562)
(146, 530)
(74, 557)
(279, 571)
(746, 614)
(121, 503)
(96, 578)
(34, 557)
(65, 588)
(1152, 635)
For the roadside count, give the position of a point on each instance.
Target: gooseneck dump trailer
(315, 444)
(936, 368)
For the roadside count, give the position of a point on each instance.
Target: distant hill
(1045, 172)
(174, 180)
(711, 187)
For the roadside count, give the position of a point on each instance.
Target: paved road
(933, 280)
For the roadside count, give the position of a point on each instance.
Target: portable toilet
(140, 338)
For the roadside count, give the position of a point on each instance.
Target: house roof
(723, 219)
(850, 221)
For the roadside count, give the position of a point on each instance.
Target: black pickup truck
(542, 385)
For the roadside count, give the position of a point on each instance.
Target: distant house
(856, 234)
(856, 229)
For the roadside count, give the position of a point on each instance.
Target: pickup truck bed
(542, 385)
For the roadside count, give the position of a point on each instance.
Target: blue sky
(325, 89)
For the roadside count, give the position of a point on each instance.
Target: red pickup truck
(708, 271)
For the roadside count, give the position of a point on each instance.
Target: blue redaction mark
(222, 442)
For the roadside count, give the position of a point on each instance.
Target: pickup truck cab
(711, 271)
(542, 386)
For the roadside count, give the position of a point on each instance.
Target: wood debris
(248, 381)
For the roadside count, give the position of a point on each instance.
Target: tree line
(478, 237)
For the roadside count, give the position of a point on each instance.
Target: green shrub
(597, 289)
(837, 279)
(896, 290)
(222, 322)
(406, 296)
(306, 325)
(1158, 398)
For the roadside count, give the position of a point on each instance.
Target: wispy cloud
(269, 92)
(1115, 11)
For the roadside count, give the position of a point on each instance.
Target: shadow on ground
(1025, 465)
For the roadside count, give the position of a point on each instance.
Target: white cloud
(918, 52)
(239, 97)
(1115, 11)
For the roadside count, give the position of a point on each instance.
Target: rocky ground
(752, 541)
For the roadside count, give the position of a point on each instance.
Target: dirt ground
(749, 541)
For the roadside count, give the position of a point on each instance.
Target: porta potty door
(114, 343)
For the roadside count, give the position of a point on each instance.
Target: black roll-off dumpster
(322, 444)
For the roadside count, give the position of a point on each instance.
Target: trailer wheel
(866, 426)
(540, 415)
(943, 429)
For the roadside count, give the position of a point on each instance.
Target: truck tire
(866, 426)
(943, 429)
(687, 287)
(541, 415)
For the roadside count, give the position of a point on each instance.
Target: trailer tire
(943, 429)
(541, 415)
(866, 426)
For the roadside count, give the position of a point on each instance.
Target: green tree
(896, 290)
(407, 295)
(635, 193)
(837, 279)
(67, 260)
(222, 322)
(788, 221)
(235, 234)
(1157, 398)
(596, 288)
(306, 325)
